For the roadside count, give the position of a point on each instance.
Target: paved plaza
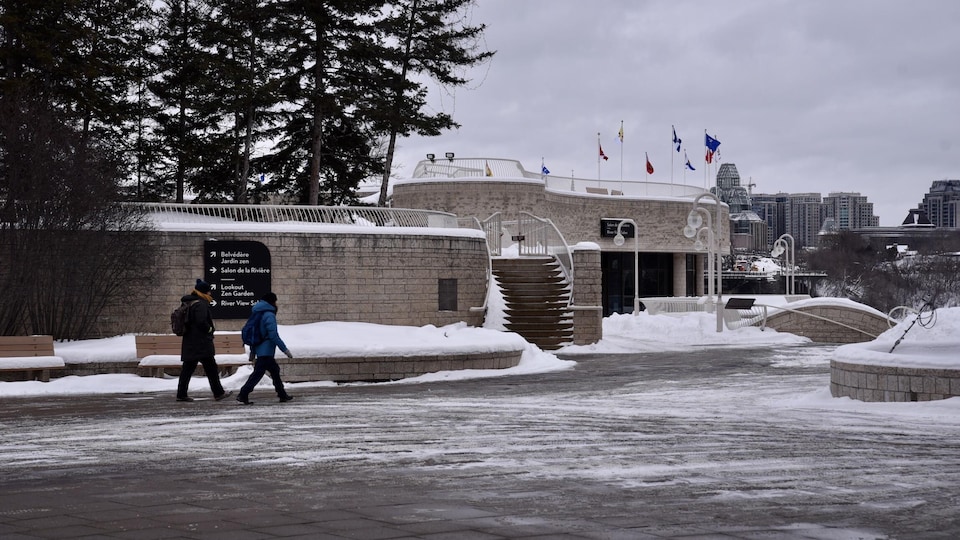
(720, 444)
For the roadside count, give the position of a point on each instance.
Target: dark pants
(210, 369)
(264, 364)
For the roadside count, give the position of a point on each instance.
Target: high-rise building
(772, 209)
(804, 218)
(849, 211)
(747, 230)
(942, 203)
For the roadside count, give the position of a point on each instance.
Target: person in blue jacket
(266, 351)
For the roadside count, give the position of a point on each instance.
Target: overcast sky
(804, 96)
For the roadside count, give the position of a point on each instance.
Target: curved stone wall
(377, 277)
(869, 324)
(890, 383)
(576, 214)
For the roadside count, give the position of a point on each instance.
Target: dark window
(447, 294)
(656, 279)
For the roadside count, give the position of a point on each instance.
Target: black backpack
(178, 319)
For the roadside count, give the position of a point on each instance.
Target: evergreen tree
(325, 73)
(186, 91)
(422, 37)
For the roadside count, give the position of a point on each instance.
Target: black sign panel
(608, 228)
(238, 272)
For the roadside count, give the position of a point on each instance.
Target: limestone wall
(577, 215)
(889, 383)
(377, 278)
(819, 330)
(587, 296)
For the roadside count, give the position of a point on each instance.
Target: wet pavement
(720, 443)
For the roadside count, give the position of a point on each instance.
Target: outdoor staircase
(536, 294)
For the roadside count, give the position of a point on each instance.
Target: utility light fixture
(431, 157)
(449, 156)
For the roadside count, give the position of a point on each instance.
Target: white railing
(541, 237)
(254, 213)
(493, 228)
(496, 168)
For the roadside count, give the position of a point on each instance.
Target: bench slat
(14, 346)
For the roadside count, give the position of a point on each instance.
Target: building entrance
(656, 279)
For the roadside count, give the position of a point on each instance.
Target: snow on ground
(933, 346)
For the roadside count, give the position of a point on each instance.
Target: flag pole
(621, 155)
(598, 158)
(704, 159)
(671, 153)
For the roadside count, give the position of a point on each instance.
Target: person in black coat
(197, 346)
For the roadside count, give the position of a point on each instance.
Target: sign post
(238, 272)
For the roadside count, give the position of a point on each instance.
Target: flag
(676, 140)
(544, 169)
(649, 165)
(689, 166)
(620, 135)
(604, 156)
(712, 143)
(487, 167)
(712, 146)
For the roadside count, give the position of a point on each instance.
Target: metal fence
(252, 213)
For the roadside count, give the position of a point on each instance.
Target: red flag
(604, 156)
(709, 156)
(649, 165)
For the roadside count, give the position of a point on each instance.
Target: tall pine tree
(422, 37)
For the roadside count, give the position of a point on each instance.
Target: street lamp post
(785, 245)
(693, 229)
(619, 240)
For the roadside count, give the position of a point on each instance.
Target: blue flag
(676, 140)
(544, 169)
(689, 166)
(712, 143)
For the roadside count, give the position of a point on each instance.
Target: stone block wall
(378, 278)
(824, 331)
(587, 299)
(890, 383)
(390, 368)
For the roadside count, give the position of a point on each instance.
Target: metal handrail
(261, 213)
(541, 237)
(493, 228)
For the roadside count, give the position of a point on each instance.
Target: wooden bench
(160, 352)
(32, 355)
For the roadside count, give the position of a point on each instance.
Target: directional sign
(238, 272)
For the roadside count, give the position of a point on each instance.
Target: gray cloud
(823, 96)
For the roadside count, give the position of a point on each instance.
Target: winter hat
(202, 286)
(270, 298)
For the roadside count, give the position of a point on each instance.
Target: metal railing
(364, 216)
(541, 237)
(496, 168)
(493, 228)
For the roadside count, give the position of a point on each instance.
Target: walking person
(197, 346)
(265, 351)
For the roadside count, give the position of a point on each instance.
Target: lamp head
(449, 156)
(431, 157)
(694, 219)
(618, 239)
(777, 250)
(689, 231)
(698, 245)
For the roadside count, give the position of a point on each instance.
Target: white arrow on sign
(213, 253)
(213, 269)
